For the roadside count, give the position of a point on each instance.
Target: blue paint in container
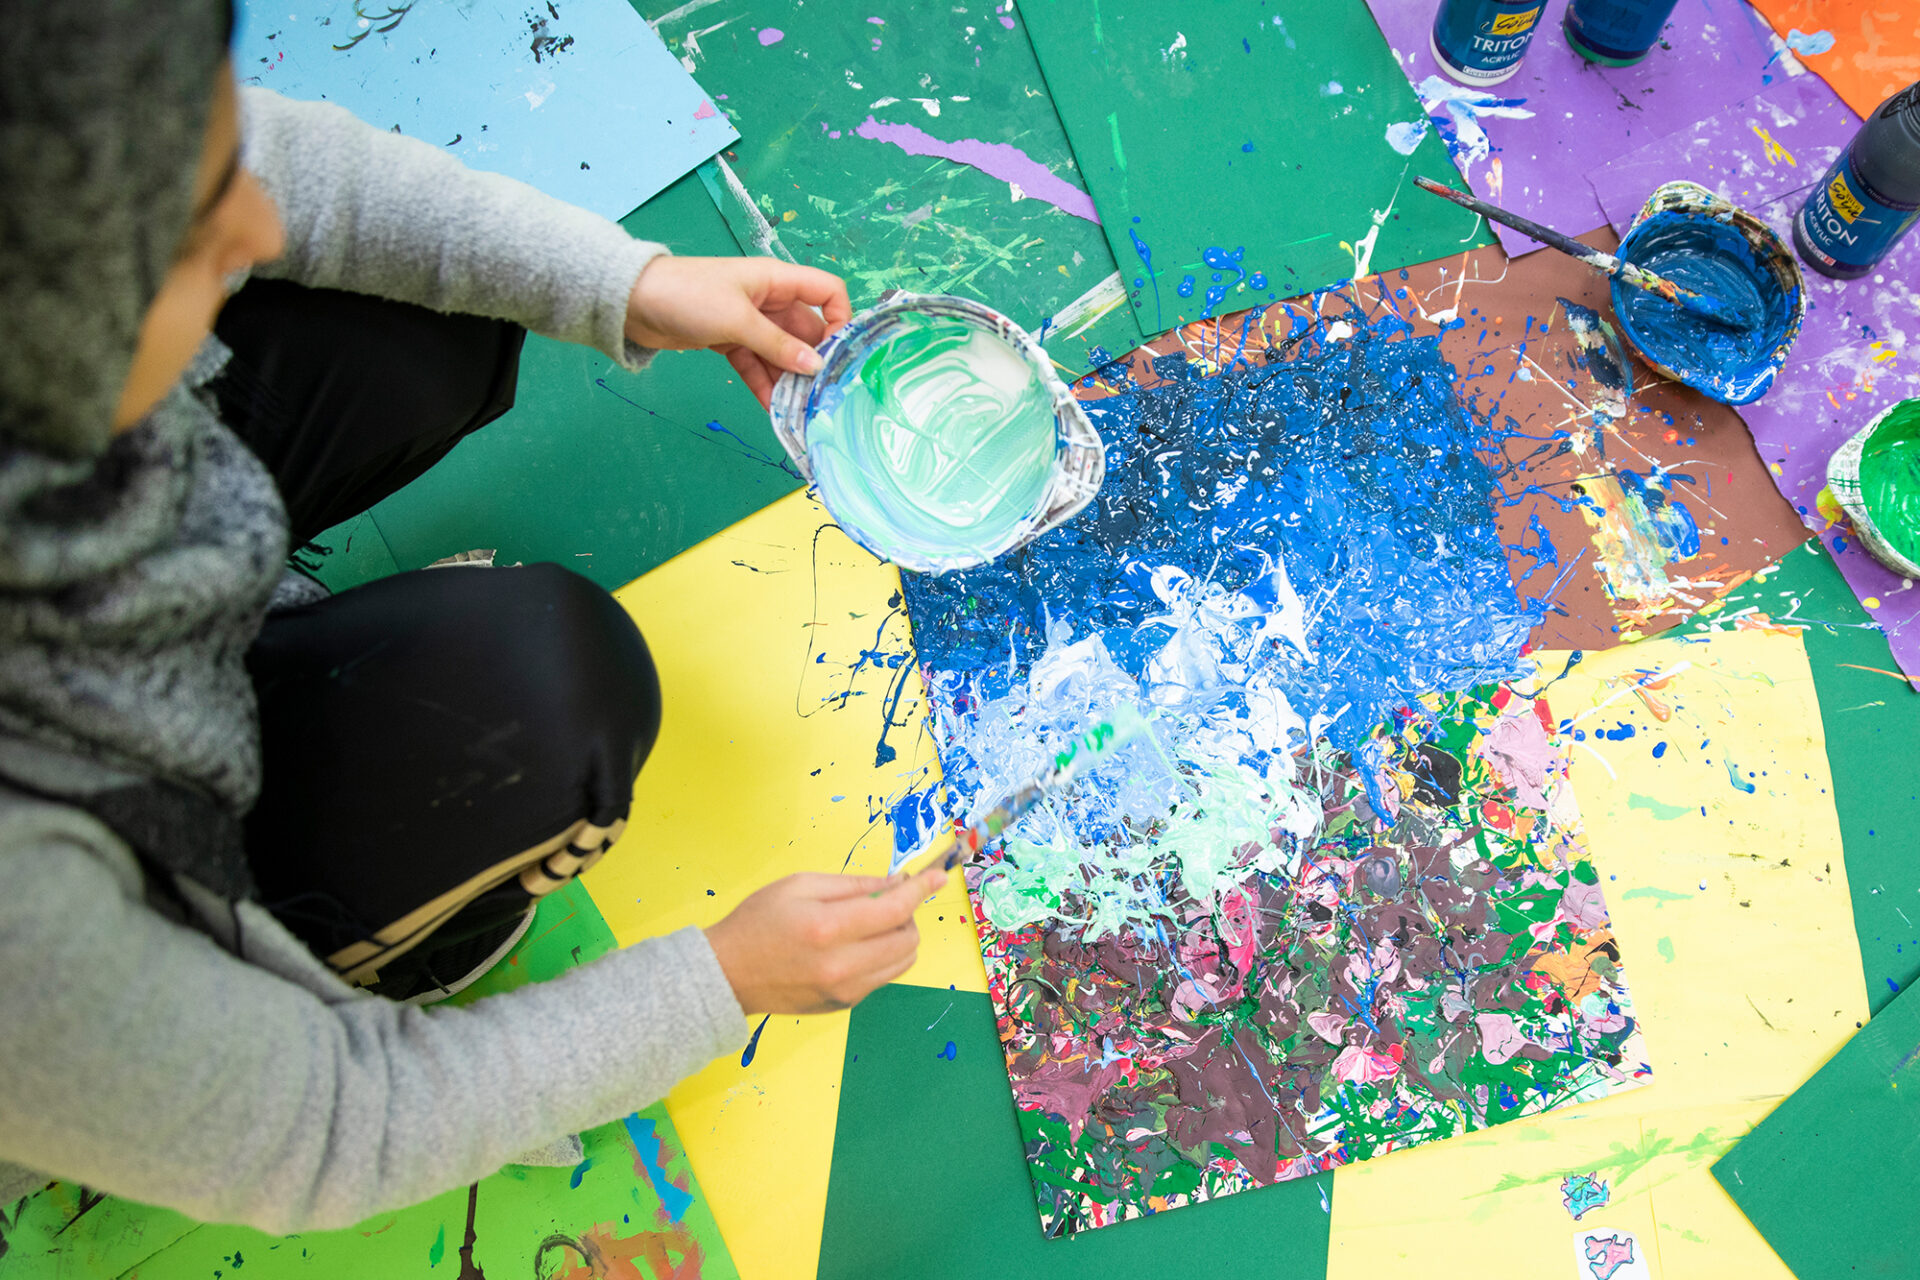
(1481, 42)
(1870, 198)
(1616, 33)
(1694, 238)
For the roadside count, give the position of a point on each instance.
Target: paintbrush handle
(1597, 258)
(1638, 277)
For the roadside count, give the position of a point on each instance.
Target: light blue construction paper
(578, 97)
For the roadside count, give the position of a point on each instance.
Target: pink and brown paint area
(1290, 1003)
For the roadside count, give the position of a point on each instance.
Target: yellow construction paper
(1735, 930)
(766, 765)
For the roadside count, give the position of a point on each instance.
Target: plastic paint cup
(1482, 42)
(1692, 236)
(937, 433)
(1875, 477)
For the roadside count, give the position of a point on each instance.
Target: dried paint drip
(1326, 903)
(939, 443)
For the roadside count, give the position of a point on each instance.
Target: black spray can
(1869, 198)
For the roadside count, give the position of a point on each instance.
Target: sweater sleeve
(375, 212)
(141, 1059)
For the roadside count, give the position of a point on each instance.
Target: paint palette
(938, 435)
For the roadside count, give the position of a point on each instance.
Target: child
(242, 821)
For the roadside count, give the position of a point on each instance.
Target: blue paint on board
(579, 1172)
(949, 1053)
(646, 1144)
(1350, 464)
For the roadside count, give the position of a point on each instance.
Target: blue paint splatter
(753, 1044)
(1659, 749)
(949, 1053)
(579, 1172)
(1351, 465)
(646, 1145)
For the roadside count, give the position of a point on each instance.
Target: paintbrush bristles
(1699, 304)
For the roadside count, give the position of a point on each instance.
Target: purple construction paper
(1721, 52)
(1859, 347)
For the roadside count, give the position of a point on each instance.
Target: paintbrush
(966, 840)
(1700, 304)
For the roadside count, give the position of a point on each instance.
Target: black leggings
(440, 747)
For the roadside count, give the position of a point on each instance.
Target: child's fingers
(775, 345)
(814, 287)
(753, 371)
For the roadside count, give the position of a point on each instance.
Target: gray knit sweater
(139, 1057)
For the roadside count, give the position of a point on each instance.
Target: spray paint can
(1481, 42)
(1869, 198)
(1616, 33)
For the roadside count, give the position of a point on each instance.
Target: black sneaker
(451, 961)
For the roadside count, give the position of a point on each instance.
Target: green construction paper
(1832, 1176)
(930, 1174)
(606, 472)
(1222, 139)
(1872, 719)
(66, 1232)
(801, 82)
(524, 1221)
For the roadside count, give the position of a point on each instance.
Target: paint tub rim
(1079, 456)
(1844, 480)
(1767, 246)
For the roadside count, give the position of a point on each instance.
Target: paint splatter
(771, 35)
(1582, 1193)
(1334, 902)
(1660, 810)
(647, 1158)
(1000, 160)
(1809, 45)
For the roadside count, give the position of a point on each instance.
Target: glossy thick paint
(1329, 904)
(1706, 254)
(938, 444)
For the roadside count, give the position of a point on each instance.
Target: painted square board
(1239, 154)
(577, 97)
(913, 148)
(1831, 1176)
(1217, 961)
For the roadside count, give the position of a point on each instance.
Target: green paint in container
(937, 434)
(1875, 477)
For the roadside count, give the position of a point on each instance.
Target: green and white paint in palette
(937, 435)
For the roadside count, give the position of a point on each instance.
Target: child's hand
(812, 943)
(765, 316)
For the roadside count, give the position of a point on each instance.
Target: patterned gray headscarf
(134, 569)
